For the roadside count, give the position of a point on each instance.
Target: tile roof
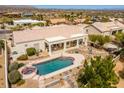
(65, 31)
(108, 26)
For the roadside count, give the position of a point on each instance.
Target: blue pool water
(53, 65)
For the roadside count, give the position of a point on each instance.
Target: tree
(98, 73)
(48, 22)
(6, 20)
(120, 38)
(121, 53)
(88, 20)
(13, 66)
(105, 19)
(18, 27)
(3, 26)
(99, 39)
(1, 44)
(14, 76)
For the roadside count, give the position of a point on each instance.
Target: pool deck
(45, 80)
(77, 62)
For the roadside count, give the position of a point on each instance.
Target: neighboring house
(5, 34)
(58, 20)
(1, 14)
(26, 14)
(121, 20)
(105, 28)
(54, 39)
(26, 22)
(79, 20)
(12, 14)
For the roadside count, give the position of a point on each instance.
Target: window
(87, 31)
(14, 52)
(36, 46)
(26, 45)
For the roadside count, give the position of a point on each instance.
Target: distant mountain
(16, 8)
(83, 7)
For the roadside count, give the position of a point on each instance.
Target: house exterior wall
(21, 48)
(107, 33)
(90, 30)
(93, 31)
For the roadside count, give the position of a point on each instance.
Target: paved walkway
(85, 52)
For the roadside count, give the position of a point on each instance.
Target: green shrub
(122, 56)
(23, 57)
(119, 37)
(98, 72)
(1, 44)
(13, 66)
(20, 82)
(121, 53)
(20, 65)
(31, 51)
(14, 76)
(99, 39)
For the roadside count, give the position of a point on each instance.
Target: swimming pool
(53, 65)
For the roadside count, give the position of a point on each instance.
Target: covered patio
(61, 44)
(116, 30)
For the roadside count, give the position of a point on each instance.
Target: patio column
(50, 49)
(64, 46)
(77, 43)
(85, 42)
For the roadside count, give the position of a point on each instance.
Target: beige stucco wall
(21, 48)
(92, 30)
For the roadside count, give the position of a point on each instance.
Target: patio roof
(77, 35)
(53, 39)
(110, 45)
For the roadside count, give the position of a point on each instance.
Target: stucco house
(27, 22)
(105, 28)
(58, 20)
(5, 34)
(53, 39)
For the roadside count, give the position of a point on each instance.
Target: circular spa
(28, 72)
(53, 65)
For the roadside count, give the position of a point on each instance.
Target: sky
(96, 7)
